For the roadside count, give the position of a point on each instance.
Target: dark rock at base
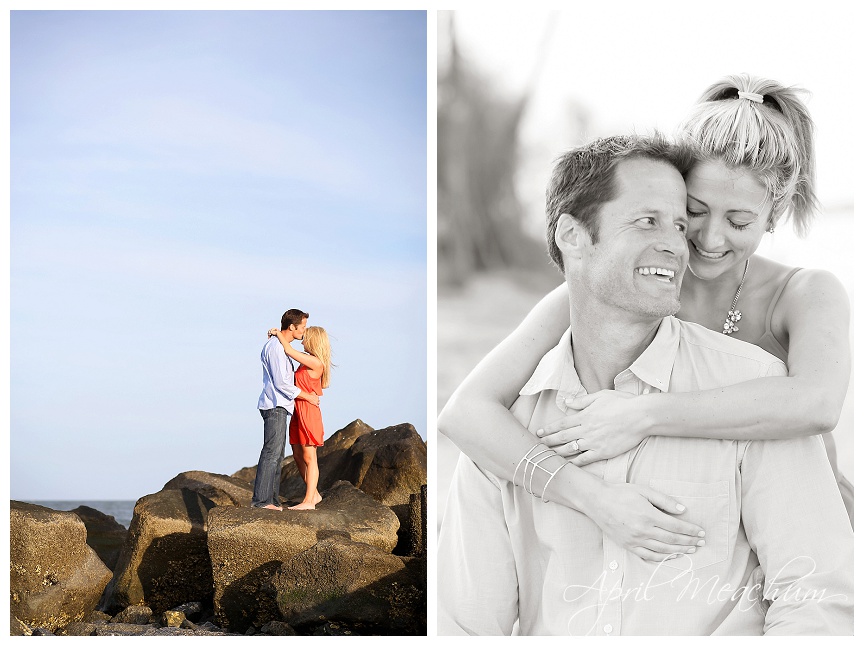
(97, 617)
(79, 629)
(248, 545)
(412, 528)
(42, 632)
(139, 615)
(278, 628)
(104, 534)
(330, 629)
(55, 577)
(220, 489)
(353, 584)
(164, 561)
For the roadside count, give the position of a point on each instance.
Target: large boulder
(389, 464)
(354, 584)
(104, 534)
(55, 578)
(248, 545)
(220, 489)
(334, 446)
(164, 561)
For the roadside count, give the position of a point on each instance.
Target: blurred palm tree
(479, 216)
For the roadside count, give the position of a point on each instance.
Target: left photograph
(218, 322)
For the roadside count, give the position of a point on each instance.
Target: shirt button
(607, 628)
(613, 565)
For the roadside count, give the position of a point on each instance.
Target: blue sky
(178, 180)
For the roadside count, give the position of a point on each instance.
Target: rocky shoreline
(198, 560)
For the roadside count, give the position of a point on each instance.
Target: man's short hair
(293, 317)
(584, 179)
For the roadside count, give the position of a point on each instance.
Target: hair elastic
(750, 96)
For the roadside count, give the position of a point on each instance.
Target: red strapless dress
(306, 426)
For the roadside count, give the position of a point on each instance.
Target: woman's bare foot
(317, 497)
(304, 505)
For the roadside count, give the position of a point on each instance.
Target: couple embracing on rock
(292, 393)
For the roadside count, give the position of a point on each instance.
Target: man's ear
(570, 236)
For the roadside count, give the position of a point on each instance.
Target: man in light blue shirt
(276, 404)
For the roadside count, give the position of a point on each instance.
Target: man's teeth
(648, 271)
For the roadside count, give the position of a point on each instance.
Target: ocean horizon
(120, 509)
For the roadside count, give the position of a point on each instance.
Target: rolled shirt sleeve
(477, 585)
(280, 372)
(797, 525)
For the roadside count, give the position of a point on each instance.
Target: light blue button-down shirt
(778, 552)
(279, 388)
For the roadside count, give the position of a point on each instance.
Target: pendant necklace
(735, 315)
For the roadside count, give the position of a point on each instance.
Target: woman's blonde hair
(318, 344)
(773, 138)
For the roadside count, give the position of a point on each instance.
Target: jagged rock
(18, 627)
(248, 545)
(389, 464)
(164, 561)
(104, 534)
(220, 489)
(139, 615)
(42, 632)
(355, 584)
(278, 628)
(97, 617)
(79, 629)
(173, 618)
(334, 447)
(55, 577)
(188, 625)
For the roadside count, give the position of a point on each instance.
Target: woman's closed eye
(695, 214)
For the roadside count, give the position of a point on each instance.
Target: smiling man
(777, 557)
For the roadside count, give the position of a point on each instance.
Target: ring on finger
(575, 445)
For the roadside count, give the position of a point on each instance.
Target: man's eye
(681, 227)
(647, 220)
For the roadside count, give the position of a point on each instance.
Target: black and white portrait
(645, 269)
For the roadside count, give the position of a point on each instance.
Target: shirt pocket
(707, 505)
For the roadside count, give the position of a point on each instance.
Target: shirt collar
(557, 371)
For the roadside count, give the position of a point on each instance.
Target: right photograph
(645, 297)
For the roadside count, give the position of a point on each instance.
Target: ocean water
(120, 509)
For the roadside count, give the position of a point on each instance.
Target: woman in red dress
(306, 430)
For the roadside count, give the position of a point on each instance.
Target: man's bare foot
(274, 507)
(303, 505)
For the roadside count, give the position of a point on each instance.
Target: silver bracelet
(533, 460)
(543, 495)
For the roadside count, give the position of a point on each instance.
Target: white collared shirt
(771, 511)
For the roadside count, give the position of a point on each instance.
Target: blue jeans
(270, 463)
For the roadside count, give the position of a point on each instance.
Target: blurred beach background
(517, 89)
